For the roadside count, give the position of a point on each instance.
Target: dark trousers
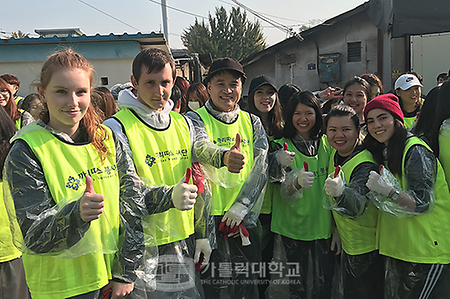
(267, 244)
(12, 280)
(323, 259)
(362, 275)
(229, 273)
(407, 280)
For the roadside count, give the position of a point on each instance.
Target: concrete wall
(117, 71)
(333, 39)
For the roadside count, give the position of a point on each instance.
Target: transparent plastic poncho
(353, 202)
(211, 157)
(162, 267)
(416, 191)
(57, 230)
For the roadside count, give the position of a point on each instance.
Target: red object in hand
(336, 171)
(198, 265)
(197, 177)
(380, 169)
(188, 175)
(285, 146)
(305, 166)
(107, 294)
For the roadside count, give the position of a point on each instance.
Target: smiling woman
(417, 247)
(355, 216)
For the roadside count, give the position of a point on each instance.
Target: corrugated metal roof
(150, 38)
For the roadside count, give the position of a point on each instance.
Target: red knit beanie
(388, 102)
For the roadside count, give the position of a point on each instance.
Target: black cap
(225, 64)
(259, 81)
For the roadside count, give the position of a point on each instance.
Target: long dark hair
(11, 106)
(425, 123)
(273, 126)
(442, 113)
(394, 150)
(7, 130)
(309, 99)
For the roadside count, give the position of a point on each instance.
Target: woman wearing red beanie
(412, 194)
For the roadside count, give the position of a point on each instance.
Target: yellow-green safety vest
(305, 219)
(65, 167)
(423, 238)
(358, 235)
(223, 134)
(161, 157)
(8, 251)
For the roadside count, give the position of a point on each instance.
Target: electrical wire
(269, 15)
(107, 14)
(276, 24)
(179, 10)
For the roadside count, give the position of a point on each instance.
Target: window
(354, 52)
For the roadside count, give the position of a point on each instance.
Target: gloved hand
(184, 195)
(334, 187)
(202, 253)
(285, 157)
(376, 185)
(233, 217)
(243, 233)
(305, 179)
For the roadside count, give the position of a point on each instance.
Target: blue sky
(144, 16)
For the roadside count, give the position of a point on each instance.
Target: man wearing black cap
(237, 182)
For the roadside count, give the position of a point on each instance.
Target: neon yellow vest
(305, 219)
(223, 134)
(65, 167)
(8, 251)
(161, 157)
(422, 238)
(358, 235)
(18, 99)
(444, 157)
(409, 121)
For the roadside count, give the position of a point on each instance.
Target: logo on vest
(73, 183)
(165, 156)
(149, 160)
(229, 141)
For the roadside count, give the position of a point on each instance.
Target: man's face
(225, 91)
(154, 89)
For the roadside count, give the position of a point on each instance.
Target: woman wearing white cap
(408, 90)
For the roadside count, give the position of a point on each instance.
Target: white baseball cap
(407, 81)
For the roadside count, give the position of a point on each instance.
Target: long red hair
(90, 122)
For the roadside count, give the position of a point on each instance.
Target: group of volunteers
(347, 198)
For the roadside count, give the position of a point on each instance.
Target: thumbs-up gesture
(184, 195)
(285, 157)
(234, 160)
(91, 203)
(305, 178)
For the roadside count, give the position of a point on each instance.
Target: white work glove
(233, 217)
(376, 185)
(305, 178)
(202, 253)
(184, 195)
(285, 157)
(334, 187)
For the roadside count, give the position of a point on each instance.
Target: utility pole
(165, 21)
